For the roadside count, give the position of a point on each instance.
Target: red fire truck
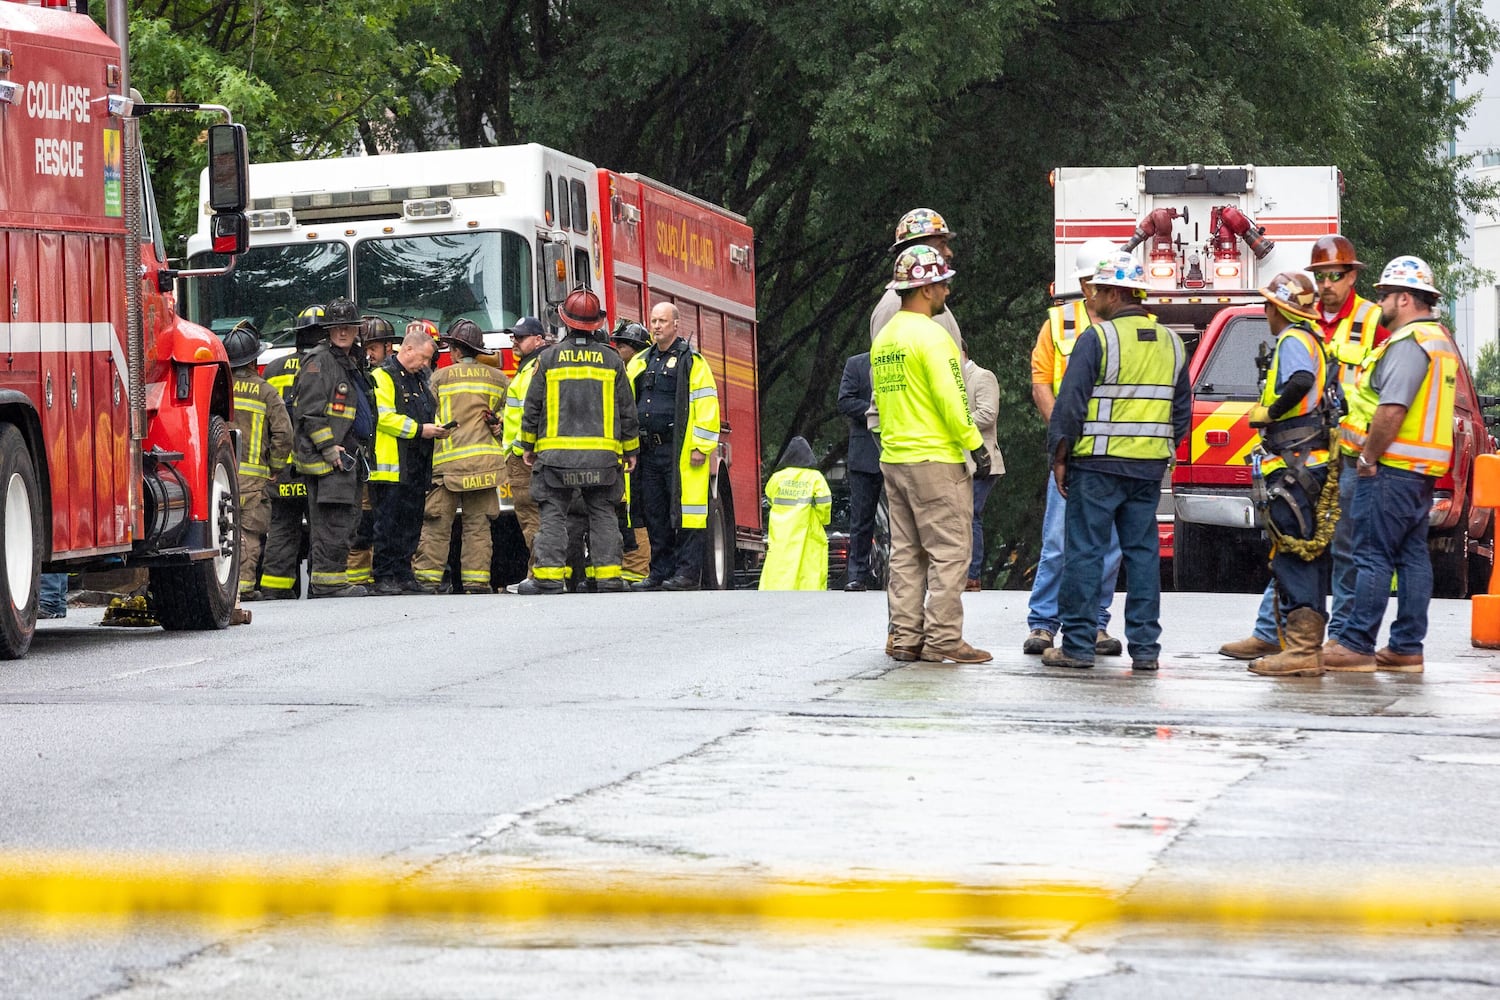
(115, 447)
(495, 234)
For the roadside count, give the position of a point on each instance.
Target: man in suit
(863, 465)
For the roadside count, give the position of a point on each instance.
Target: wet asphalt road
(694, 736)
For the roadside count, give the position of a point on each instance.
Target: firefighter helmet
(1407, 274)
(374, 329)
(1333, 251)
(1122, 270)
(1090, 254)
(340, 312)
(242, 344)
(633, 334)
(1293, 293)
(919, 224)
(467, 333)
(917, 266)
(581, 310)
(309, 327)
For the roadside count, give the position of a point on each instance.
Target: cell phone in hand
(450, 425)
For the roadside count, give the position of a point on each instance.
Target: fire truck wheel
(20, 544)
(201, 595)
(718, 544)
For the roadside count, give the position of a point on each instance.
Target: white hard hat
(1407, 274)
(1122, 270)
(1090, 254)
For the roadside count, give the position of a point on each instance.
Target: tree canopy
(823, 122)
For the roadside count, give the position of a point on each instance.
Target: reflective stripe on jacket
(1424, 442)
(1130, 409)
(1065, 324)
(1308, 404)
(390, 426)
(695, 428)
(796, 535)
(515, 403)
(1349, 347)
(580, 413)
(264, 425)
(471, 457)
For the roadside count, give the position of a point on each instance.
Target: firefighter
(797, 530)
(678, 404)
(379, 339)
(334, 424)
(1292, 473)
(1351, 328)
(278, 575)
(1049, 361)
(404, 431)
(635, 565)
(466, 465)
(577, 430)
(926, 433)
(1400, 427)
(376, 336)
(1123, 407)
(919, 227)
(528, 337)
(265, 441)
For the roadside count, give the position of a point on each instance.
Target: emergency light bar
(383, 196)
(427, 208)
(267, 221)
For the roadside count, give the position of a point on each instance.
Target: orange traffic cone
(1484, 628)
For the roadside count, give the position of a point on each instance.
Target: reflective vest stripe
(1065, 325)
(1424, 441)
(1130, 409)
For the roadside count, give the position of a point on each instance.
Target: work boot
(278, 594)
(1106, 644)
(611, 586)
(1340, 659)
(972, 585)
(415, 586)
(249, 595)
(387, 588)
(855, 586)
(348, 590)
(531, 588)
(1055, 657)
(681, 583)
(962, 653)
(1303, 656)
(1252, 648)
(905, 654)
(1039, 641)
(1398, 663)
(645, 585)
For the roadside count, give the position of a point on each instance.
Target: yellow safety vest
(1065, 325)
(515, 404)
(1305, 406)
(1424, 442)
(697, 429)
(1130, 410)
(1351, 350)
(390, 425)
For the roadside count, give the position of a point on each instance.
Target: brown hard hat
(374, 329)
(1292, 292)
(466, 332)
(1333, 251)
(581, 310)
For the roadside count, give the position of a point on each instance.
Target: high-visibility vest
(515, 403)
(390, 425)
(1306, 406)
(1065, 324)
(1424, 442)
(1130, 410)
(1353, 339)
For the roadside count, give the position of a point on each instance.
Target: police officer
(265, 441)
(334, 423)
(278, 576)
(528, 337)
(629, 340)
(678, 404)
(1294, 420)
(578, 428)
(404, 431)
(466, 466)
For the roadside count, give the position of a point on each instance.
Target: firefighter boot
(1303, 656)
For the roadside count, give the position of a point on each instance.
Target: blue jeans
(982, 489)
(864, 499)
(1042, 613)
(1102, 508)
(53, 598)
(1343, 553)
(1390, 513)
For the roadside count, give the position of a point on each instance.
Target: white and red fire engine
(495, 234)
(115, 447)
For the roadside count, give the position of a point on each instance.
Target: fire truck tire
(718, 542)
(20, 544)
(200, 596)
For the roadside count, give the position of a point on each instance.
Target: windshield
(1231, 370)
(480, 276)
(269, 286)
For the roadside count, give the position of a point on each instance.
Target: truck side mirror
(555, 271)
(230, 232)
(228, 170)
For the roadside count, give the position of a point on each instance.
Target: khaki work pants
(932, 518)
(255, 521)
(636, 564)
(480, 507)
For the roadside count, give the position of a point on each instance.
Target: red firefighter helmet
(581, 310)
(1333, 251)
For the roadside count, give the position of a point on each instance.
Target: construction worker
(1351, 329)
(797, 530)
(528, 337)
(405, 426)
(265, 441)
(578, 430)
(678, 404)
(919, 227)
(1049, 361)
(629, 340)
(283, 551)
(1294, 417)
(1400, 427)
(334, 422)
(926, 434)
(1122, 408)
(376, 335)
(467, 465)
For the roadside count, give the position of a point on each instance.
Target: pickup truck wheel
(20, 545)
(199, 596)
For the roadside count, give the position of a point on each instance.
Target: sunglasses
(1321, 276)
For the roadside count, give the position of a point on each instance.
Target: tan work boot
(962, 653)
(1339, 658)
(1399, 663)
(1303, 656)
(1249, 649)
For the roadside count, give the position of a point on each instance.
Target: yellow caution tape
(60, 893)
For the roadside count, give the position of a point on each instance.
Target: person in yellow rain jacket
(797, 536)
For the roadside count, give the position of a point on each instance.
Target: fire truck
(492, 235)
(115, 440)
(1209, 237)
